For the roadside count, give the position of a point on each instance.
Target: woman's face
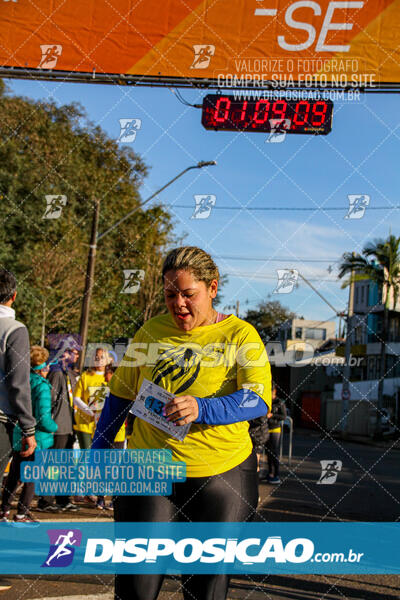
(100, 359)
(188, 300)
(45, 371)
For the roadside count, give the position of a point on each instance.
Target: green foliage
(380, 262)
(268, 318)
(47, 149)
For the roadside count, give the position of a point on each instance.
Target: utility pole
(346, 371)
(43, 322)
(237, 307)
(83, 327)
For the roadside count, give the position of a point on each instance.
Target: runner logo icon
(330, 470)
(61, 552)
(202, 55)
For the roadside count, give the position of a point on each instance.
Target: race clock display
(227, 113)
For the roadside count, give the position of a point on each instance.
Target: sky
(312, 173)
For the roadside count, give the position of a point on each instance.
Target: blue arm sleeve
(111, 420)
(242, 405)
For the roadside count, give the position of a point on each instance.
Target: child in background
(45, 428)
(86, 390)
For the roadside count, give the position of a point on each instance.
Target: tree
(54, 150)
(268, 318)
(380, 262)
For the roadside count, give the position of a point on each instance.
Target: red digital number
(264, 115)
(243, 113)
(318, 115)
(279, 113)
(301, 107)
(218, 108)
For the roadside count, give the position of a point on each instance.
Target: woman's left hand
(182, 410)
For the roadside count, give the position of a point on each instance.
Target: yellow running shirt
(92, 389)
(214, 360)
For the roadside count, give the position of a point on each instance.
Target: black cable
(276, 259)
(181, 99)
(277, 208)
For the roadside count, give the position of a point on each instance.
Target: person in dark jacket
(15, 397)
(45, 428)
(275, 417)
(63, 381)
(258, 430)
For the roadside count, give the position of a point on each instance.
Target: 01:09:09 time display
(294, 116)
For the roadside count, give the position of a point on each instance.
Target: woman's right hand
(182, 410)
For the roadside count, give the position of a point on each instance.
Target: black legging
(11, 486)
(273, 451)
(231, 496)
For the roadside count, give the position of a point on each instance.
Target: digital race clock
(293, 116)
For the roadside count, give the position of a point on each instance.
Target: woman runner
(216, 366)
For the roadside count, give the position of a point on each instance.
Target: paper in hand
(148, 406)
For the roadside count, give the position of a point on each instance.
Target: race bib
(148, 406)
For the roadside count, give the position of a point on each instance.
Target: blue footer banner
(173, 548)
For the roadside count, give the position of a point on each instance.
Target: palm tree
(380, 262)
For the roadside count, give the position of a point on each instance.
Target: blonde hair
(92, 368)
(39, 355)
(193, 259)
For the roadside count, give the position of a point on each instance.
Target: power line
(249, 276)
(276, 259)
(283, 208)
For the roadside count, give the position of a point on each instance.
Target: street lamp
(96, 237)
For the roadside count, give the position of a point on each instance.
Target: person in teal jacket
(45, 429)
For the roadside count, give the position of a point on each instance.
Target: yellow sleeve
(78, 392)
(125, 380)
(253, 368)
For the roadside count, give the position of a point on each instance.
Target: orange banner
(229, 41)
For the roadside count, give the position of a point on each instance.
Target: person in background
(85, 397)
(15, 396)
(61, 379)
(119, 441)
(45, 428)
(85, 394)
(275, 416)
(258, 430)
(89, 396)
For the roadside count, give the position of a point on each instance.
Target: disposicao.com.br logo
(192, 550)
(209, 547)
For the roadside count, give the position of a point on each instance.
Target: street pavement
(367, 489)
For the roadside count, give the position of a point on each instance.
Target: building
(314, 333)
(365, 333)
(309, 370)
